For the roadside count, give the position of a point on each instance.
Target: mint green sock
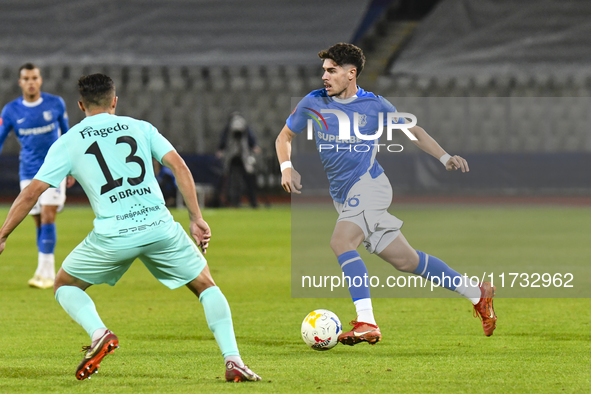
(219, 320)
(80, 307)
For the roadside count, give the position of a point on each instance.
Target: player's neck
(31, 98)
(348, 93)
(99, 110)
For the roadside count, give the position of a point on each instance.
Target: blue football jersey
(344, 161)
(37, 126)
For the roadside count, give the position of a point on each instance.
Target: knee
(340, 246)
(48, 216)
(202, 282)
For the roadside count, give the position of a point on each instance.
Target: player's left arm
(430, 146)
(199, 228)
(21, 208)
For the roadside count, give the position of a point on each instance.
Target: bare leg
(401, 255)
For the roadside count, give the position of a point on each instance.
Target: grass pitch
(429, 345)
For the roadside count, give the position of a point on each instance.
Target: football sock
(469, 289)
(46, 265)
(219, 320)
(47, 238)
(80, 307)
(432, 268)
(39, 269)
(437, 271)
(356, 273)
(365, 311)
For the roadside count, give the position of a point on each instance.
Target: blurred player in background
(362, 193)
(238, 147)
(111, 157)
(38, 119)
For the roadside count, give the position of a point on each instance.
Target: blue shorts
(174, 261)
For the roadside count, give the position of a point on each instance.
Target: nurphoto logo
(359, 120)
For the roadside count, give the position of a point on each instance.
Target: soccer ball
(321, 329)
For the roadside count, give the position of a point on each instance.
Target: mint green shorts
(174, 261)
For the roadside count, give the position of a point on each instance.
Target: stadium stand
(176, 65)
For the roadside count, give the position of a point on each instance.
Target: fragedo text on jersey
(90, 132)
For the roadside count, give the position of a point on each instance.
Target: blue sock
(356, 272)
(47, 238)
(80, 307)
(436, 271)
(219, 320)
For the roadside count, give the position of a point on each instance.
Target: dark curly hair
(343, 53)
(96, 90)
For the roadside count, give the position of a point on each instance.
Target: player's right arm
(199, 228)
(21, 208)
(290, 178)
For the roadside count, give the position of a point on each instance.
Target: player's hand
(291, 180)
(457, 163)
(201, 233)
(2, 245)
(70, 181)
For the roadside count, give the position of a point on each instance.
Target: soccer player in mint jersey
(111, 157)
(362, 193)
(38, 119)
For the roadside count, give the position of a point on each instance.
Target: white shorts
(51, 196)
(367, 206)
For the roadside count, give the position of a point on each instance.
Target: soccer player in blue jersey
(111, 157)
(38, 119)
(361, 191)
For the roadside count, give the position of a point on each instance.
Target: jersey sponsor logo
(37, 130)
(138, 213)
(47, 115)
(1, 121)
(140, 228)
(19, 121)
(129, 193)
(335, 138)
(90, 132)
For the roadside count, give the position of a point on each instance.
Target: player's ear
(114, 102)
(352, 73)
(81, 106)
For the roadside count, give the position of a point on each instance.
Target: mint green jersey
(111, 157)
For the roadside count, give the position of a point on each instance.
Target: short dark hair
(96, 90)
(343, 53)
(27, 66)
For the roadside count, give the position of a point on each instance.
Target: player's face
(337, 78)
(30, 82)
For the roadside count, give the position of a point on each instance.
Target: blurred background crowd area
(504, 83)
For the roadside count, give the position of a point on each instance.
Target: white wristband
(443, 159)
(285, 164)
